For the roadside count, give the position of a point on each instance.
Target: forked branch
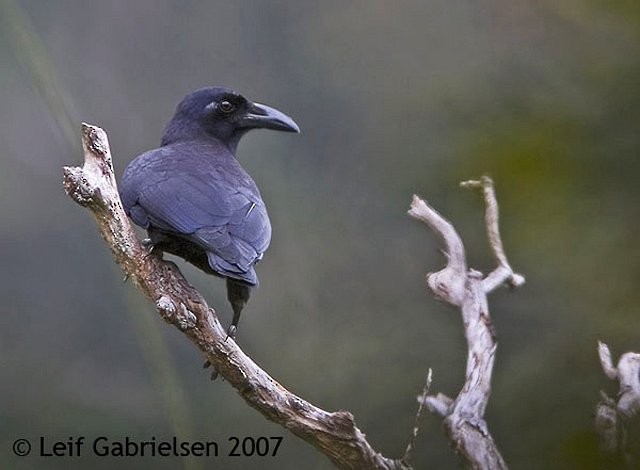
(467, 290)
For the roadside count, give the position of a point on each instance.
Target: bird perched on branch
(193, 197)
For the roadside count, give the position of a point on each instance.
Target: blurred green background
(393, 98)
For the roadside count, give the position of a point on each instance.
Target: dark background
(393, 98)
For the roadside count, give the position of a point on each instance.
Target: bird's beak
(265, 117)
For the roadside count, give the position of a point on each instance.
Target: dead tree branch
(613, 418)
(467, 289)
(335, 434)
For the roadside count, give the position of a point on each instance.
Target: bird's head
(222, 114)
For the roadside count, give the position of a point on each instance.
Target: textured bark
(467, 289)
(335, 434)
(614, 419)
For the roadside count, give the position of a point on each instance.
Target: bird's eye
(226, 107)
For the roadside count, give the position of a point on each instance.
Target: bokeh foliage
(393, 98)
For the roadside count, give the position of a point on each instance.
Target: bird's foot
(231, 332)
(214, 371)
(147, 243)
(150, 247)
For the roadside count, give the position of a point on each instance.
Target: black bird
(193, 197)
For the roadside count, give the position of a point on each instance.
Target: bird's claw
(149, 246)
(231, 332)
(147, 243)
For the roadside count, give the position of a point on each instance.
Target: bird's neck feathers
(184, 130)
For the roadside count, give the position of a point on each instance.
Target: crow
(193, 197)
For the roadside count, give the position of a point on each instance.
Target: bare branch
(607, 424)
(335, 434)
(439, 404)
(627, 373)
(503, 272)
(448, 283)
(605, 361)
(612, 419)
(467, 290)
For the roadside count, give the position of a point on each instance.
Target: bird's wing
(218, 208)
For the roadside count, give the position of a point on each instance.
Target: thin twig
(416, 424)
(503, 272)
(604, 354)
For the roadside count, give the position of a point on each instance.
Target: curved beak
(260, 116)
